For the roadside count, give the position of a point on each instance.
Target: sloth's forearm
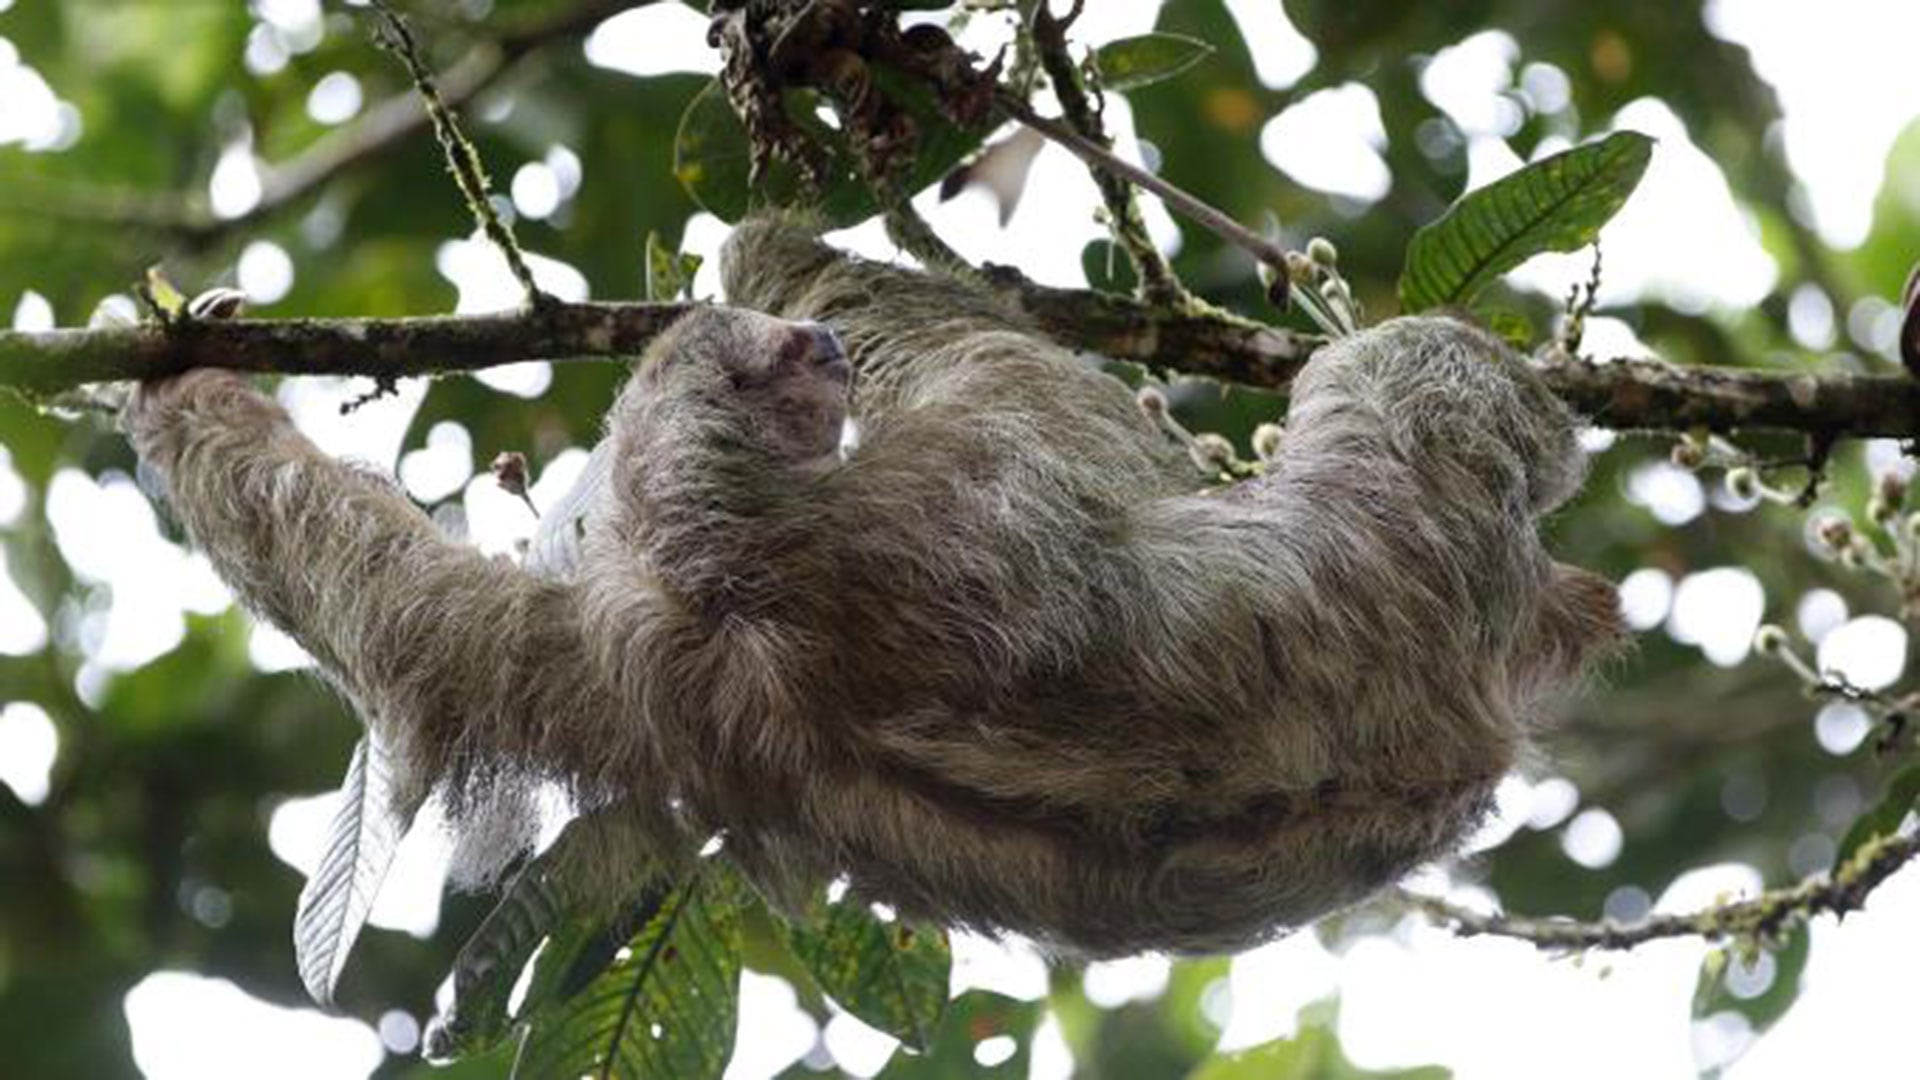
(460, 655)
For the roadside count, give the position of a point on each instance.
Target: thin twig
(463, 160)
(1763, 917)
(1192, 207)
(1158, 282)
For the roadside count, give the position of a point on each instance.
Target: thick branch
(1627, 394)
(52, 360)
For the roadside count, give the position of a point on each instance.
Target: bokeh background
(165, 761)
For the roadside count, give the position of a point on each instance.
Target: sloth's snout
(823, 350)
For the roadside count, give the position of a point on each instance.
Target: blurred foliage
(150, 850)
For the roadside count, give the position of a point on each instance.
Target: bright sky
(1414, 996)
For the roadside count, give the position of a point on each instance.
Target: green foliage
(1884, 817)
(891, 974)
(1313, 1054)
(1133, 62)
(1759, 983)
(1555, 204)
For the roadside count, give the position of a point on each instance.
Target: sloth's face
(789, 381)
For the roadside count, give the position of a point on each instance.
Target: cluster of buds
(1744, 480)
(1211, 453)
(1888, 544)
(1314, 278)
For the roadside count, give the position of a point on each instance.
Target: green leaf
(1314, 1054)
(669, 273)
(1903, 795)
(1730, 982)
(891, 975)
(1133, 62)
(664, 1009)
(974, 1018)
(537, 906)
(1555, 204)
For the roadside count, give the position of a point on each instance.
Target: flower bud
(1214, 449)
(1266, 441)
(1892, 489)
(1689, 454)
(1151, 401)
(1743, 483)
(1323, 253)
(1769, 640)
(1834, 532)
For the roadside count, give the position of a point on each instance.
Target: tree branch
(1625, 394)
(1761, 917)
(381, 127)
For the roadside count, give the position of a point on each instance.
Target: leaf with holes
(664, 1009)
(1133, 62)
(337, 899)
(669, 272)
(893, 975)
(986, 1036)
(1760, 987)
(1884, 817)
(1555, 204)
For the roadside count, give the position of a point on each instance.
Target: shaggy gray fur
(1003, 666)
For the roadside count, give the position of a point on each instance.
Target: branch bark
(1624, 394)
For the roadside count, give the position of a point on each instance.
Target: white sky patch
(858, 1049)
(334, 99)
(1468, 82)
(1718, 610)
(558, 477)
(236, 184)
(1009, 967)
(29, 745)
(32, 116)
(108, 534)
(1281, 54)
(1593, 838)
(1270, 984)
(33, 312)
(1680, 238)
(773, 1031)
(190, 1027)
(372, 433)
(1646, 595)
(1672, 494)
(657, 39)
(270, 650)
(1110, 984)
(1331, 141)
(1819, 612)
(1842, 86)
(441, 467)
(536, 190)
(265, 272)
(1870, 652)
(1840, 727)
(496, 521)
(478, 270)
(1554, 798)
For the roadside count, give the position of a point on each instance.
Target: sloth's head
(780, 386)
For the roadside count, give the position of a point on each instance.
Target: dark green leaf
(975, 1017)
(1133, 62)
(669, 273)
(1555, 204)
(663, 1010)
(1731, 982)
(893, 975)
(1903, 794)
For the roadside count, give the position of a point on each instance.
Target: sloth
(1004, 664)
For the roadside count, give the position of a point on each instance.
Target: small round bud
(510, 471)
(1743, 483)
(1151, 401)
(1913, 525)
(1769, 640)
(1834, 532)
(217, 303)
(1266, 441)
(1880, 511)
(1323, 253)
(1215, 449)
(1688, 454)
(1299, 268)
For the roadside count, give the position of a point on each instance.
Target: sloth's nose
(823, 348)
